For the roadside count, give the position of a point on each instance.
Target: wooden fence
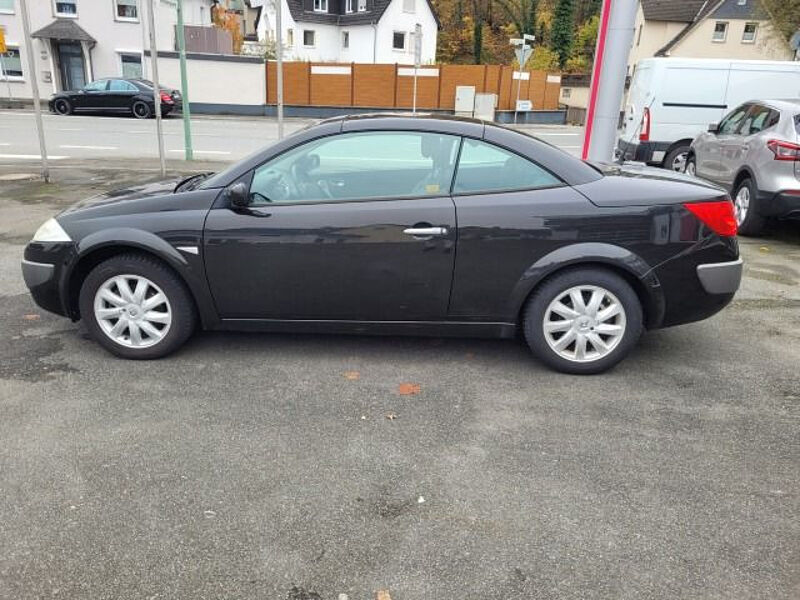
(391, 86)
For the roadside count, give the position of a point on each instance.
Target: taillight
(166, 98)
(784, 150)
(717, 215)
(644, 129)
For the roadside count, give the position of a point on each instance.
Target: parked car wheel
(745, 203)
(141, 110)
(691, 166)
(62, 106)
(583, 321)
(676, 159)
(137, 307)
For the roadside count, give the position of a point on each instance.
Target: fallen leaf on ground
(32, 317)
(764, 248)
(382, 595)
(391, 416)
(408, 389)
(352, 375)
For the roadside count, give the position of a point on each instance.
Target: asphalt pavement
(307, 467)
(213, 138)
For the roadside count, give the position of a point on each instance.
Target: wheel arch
(94, 249)
(745, 172)
(632, 268)
(674, 146)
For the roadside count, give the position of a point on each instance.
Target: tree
(784, 16)
(561, 31)
(521, 13)
(228, 20)
(543, 59)
(583, 48)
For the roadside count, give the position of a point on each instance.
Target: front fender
(595, 253)
(188, 266)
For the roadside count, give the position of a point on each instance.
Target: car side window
(731, 123)
(484, 167)
(118, 85)
(359, 166)
(96, 86)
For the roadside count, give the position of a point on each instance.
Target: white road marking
(89, 147)
(32, 156)
(4, 144)
(550, 133)
(204, 151)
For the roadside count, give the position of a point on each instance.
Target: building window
(741, 2)
(362, 5)
(7, 7)
(399, 40)
(131, 65)
(308, 38)
(320, 5)
(290, 37)
(66, 8)
(749, 33)
(126, 10)
(720, 31)
(12, 64)
(345, 39)
(408, 6)
(566, 92)
(348, 6)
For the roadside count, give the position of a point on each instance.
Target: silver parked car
(755, 153)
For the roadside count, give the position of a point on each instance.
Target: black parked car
(117, 96)
(396, 224)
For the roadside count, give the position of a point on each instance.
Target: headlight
(51, 231)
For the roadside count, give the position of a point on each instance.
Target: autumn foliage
(225, 18)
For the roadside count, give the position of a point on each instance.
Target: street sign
(523, 53)
(3, 41)
(524, 105)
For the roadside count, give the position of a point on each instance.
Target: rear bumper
(720, 278)
(779, 204)
(646, 152)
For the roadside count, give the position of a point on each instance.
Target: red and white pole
(614, 38)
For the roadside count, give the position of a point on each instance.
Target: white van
(672, 100)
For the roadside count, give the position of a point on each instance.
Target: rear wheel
(583, 321)
(745, 203)
(141, 110)
(676, 159)
(137, 307)
(62, 106)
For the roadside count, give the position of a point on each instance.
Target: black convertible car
(399, 225)
(115, 96)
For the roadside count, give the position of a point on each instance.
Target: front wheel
(675, 159)
(62, 106)
(137, 307)
(141, 110)
(583, 321)
(691, 166)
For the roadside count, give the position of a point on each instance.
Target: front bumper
(43, 269)
(651, 153)
(720, 278)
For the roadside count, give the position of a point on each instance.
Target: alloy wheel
(691, 168)
(132, 311)
(584, 323)
(141, 110)
(62, 107)
(742, 204)
(679, 162)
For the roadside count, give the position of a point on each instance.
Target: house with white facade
(361, 31)
(77, 41)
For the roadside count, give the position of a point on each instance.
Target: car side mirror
(238, 194)
(713, 128)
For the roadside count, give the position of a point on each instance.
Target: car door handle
(425, 231)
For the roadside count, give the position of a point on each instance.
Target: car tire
(141, 110)
(691, 166)
(62, 106)
(675, 160)
(607, 339)
(745, 203)
(133, 323)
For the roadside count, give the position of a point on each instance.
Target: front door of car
(92, 96)
(716, 166)
(357, 226)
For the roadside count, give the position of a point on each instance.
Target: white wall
(218, 81)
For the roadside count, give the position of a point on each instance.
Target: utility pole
(279, 57)
(614, 39)
(187, 115)
(37, 106)
(151, 23)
